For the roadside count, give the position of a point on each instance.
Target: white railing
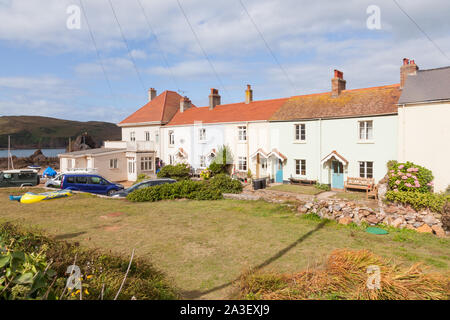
(131, 145)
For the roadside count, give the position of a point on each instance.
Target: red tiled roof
(236, 112)
(160, 109)
(356, 102)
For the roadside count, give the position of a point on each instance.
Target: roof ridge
(349, 90)
(433, 69)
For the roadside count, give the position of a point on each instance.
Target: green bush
(195, 190)
(217, 168)
(434, 201)
(324, 187)
(225, 184)
(31, 253)
(409, 177)
(188, 189)
(178, 172)
(141, 177)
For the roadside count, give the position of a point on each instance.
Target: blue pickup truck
(89, 183)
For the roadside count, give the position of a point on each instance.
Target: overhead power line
(96, 49)
(202, 49)
(126, 44)
(161, 51)
(421, 30)
(268, 47)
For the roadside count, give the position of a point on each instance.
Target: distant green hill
(43, 132)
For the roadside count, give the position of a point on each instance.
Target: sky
(50, 67)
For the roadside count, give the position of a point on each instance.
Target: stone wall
(394, 215)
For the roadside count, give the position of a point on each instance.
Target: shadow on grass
(68, 235)
(195, 294)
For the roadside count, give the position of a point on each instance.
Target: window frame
(113, 163)
(146, 163)
(147, 135)
(202, 134)
(364, 166)
(298, 135)
(242, 133)
(300, 167)
(242, 162)
(132, 136)
(171, 138)
(202, 161)
(363, 127)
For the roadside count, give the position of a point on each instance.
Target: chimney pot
(151, 94)
(338, 83)
(409, 67)
(214, 99)
(248, 94)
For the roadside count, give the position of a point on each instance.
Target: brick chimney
(248, 94)
(337, 83)
(151, 94)
(408, 67)
(214, 99)
(185, 104)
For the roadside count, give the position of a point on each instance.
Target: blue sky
(50, 70)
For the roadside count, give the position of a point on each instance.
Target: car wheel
(110, 193)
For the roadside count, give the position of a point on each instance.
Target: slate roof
(350, 103)
(427, 85)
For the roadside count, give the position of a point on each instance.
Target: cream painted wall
(424, 138)
(140, 135)
(340, 135)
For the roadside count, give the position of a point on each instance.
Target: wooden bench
(301, 181)
(367, 184)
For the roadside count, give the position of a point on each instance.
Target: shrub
(409, 177)
(141, 177)
(225, 184)
(324, 187)
(433, 201)
(99, 271)
(217, 168)
(205, 174)
(195, 190)
(178, 172)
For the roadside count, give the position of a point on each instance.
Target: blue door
(337, 178)
(279, 174)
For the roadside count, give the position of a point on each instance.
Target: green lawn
(309, 190)
(351, 195)
(203, 246)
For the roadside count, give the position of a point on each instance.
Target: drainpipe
(320, 150)
(404, 135)
(248, 145)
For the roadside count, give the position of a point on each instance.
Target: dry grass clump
(344, 276)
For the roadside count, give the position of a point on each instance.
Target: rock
(330, 209)
(430, 220)
(382, 189)
(372, 219)
(438, 230)
(397, 222)
(424, 229)
(390, 210)
(337, 207)
(309, 205)
(364, 212)
(345, 220)
(410, 227)
(410, 217)
(302, 209)
(417, 224)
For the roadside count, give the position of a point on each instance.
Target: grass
(309, 190)
(204, 246)
(345, 276)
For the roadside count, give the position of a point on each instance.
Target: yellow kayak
(30, 197)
